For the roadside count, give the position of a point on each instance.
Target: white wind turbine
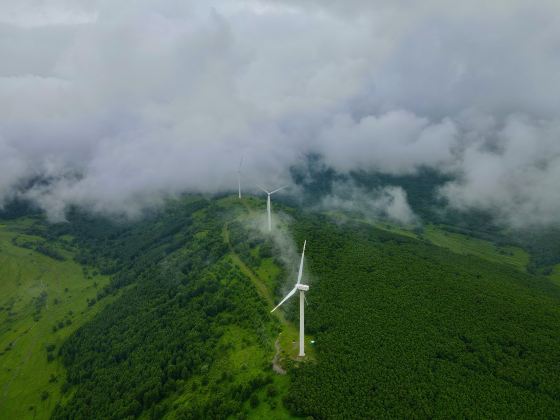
(268, 207)
(239, 177)
(302, 289)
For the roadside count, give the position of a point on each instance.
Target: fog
(389, 202)
(120, 105)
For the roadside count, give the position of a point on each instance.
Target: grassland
(466, 245)
(265, 277)
(243, 359)
(42, 301)
(456, 242)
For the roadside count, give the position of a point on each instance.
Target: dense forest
(162, 337)
(316, 180)
(402, 328)
(405, 329)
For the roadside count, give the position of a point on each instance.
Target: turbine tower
(268, 206)
(239, 177)
(302, 289)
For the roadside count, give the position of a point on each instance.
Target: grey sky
(124, 103)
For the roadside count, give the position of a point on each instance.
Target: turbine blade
(278, 189)
(300, 273)
(262, 188)
(289, 295)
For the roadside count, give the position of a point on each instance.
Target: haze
(122, 104)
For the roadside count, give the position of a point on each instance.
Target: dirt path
(276, 367)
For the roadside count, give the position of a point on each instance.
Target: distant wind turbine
(268, 207)
(302, 289)
(239, 177)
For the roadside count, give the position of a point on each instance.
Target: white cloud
(148, 98)
(517, 178)
(389, 202)
(29, 13)
(394, 142)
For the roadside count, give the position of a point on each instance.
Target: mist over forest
(116, 106)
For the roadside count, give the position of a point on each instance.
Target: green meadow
(242, 360)
(455, 242)
(467, 245)
(42, 301)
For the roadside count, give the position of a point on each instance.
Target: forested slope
(317, 180)
(403, 328)
(190, 338)
(406, 329)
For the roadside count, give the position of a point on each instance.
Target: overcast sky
(122, 103)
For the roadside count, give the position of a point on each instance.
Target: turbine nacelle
(302, 287)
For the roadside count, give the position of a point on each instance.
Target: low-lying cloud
(515, 176)
(122, 104)
(383, 203)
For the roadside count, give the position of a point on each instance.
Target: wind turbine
(268, 207)
(239, 177)
(302, 289)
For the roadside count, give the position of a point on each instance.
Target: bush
(254, 401)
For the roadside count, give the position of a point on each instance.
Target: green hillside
(178, 326)
(43, 300)
(444, 236)
(192, 336)
(468, 245)
(407, 329)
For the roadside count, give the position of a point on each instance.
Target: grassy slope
(243, 360)
(264, 278)
(466, 245)
(455, 242)
(462, 244)
(25, 372)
